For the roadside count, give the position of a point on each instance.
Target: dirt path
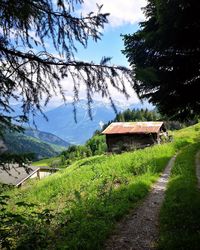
(198, 168)
(139, 230)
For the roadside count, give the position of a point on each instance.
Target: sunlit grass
(180, 213)
(44, 162)
(87, 198)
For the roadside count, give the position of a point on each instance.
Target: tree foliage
(96, 145)
(134, 115)
(38, 42)
(20, 159)
(165, 57)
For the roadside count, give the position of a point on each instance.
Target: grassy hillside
(77, 207)
(46, 137)
(21, 143)
(180, 213)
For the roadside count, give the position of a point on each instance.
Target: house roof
(13, 174)
(133, 128)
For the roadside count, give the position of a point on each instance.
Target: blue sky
(110, 45)
(124, 18)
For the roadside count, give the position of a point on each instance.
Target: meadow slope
(78, 207)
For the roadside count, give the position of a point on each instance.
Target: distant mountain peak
(61, 120)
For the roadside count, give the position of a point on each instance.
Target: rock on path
(139, 230)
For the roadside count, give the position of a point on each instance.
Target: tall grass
(86, 199)
(180, 213)
(87, 176)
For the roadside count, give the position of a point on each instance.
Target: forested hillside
(46, 137)
(21, 143)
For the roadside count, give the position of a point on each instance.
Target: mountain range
(46, 137)
(42, 144)
(61, 120)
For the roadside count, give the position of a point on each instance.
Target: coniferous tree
(30, 72)
(165, 57)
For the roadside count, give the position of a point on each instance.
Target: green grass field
(46, 162)
(180, 213)
(77, 207)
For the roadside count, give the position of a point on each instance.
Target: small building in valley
(16, 175)
(133, 135)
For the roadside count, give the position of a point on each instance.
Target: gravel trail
(139, 230)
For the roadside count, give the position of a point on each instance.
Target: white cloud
(67, 85)
(121, 11)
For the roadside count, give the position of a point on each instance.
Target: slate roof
(13, 174)
(133, 128)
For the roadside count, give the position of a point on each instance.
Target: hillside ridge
(25, 143)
